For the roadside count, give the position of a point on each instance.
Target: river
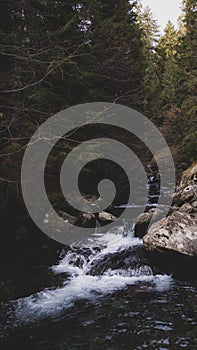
(105, 296)
(65, 307)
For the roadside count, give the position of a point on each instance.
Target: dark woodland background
(56, 54)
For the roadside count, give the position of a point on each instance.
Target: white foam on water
(80, 285)
(51, 302)
(107, 243)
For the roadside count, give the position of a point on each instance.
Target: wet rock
(179, 265)
(104, 216)
(87, 219)
(177, 232)
(135, 259)
(143, 221)
(68, 218)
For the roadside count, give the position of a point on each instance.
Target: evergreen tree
(150, 33)
(188, 88)
(168, 67)
(115, 51)
(55, 54)
(42, 72)
(176, 52)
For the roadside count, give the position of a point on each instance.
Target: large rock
(189, 176)
(143, 221)
(177, 232)
(134, 261)
(186, 192)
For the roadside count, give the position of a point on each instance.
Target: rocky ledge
(178, 231)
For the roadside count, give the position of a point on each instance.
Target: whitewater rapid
(79, 284)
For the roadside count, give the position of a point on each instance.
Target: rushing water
(76, 304)
(107, 295)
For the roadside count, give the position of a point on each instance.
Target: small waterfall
(111, 262)
(97, 226)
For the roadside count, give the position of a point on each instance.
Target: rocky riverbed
(178, 231)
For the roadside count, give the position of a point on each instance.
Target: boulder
(186, 208)
(177, 232)
(87, 219)
(133, 261)
(104, 216)
(185, 194)
(143, 221)
(189, 176)
(187, 189)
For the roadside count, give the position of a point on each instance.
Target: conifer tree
(189, 79)
(150, 34)
(116, 51)
(168, 67)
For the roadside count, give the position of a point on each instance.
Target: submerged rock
(134, 261)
